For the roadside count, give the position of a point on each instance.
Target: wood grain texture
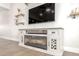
(11, 48)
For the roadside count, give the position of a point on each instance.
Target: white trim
(9, 38)
(71, 49)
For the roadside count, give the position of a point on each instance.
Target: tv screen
(42, 13)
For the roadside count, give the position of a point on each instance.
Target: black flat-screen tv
(42, 13)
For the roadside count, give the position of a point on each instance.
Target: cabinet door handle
(53, 32)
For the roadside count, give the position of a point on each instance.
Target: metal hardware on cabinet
(53, 32)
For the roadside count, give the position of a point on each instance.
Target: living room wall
(70, 25)
(5, 30)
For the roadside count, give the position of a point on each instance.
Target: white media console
(47, 40)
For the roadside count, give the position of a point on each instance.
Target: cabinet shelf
(36, 35)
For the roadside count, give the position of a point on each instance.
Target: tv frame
(43, 21)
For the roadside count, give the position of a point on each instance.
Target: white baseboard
(9, 38)
(70, 49)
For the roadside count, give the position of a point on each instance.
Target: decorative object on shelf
(19, 17)
(74, 13)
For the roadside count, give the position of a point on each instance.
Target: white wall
(32, 5)
(71, 26)
(4, 23)
(5, 5)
